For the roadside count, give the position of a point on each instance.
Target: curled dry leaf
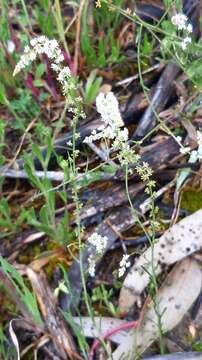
(181, 240)
(175, 297)
(14, 339)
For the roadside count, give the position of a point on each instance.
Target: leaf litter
(109, 210)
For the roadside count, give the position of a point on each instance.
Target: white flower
(91, 265)
(193, 157)
(38, 39)
(199, 140)
(189, 28)
(108, 107)
(180, 21)
(121, 139)
(55, 67)
(199, 137)
(123, 265)
(179, 139)
(106, 133)
(99, 242)
(40, 45)
(185, 42)
(10, 46)
(64, 74)
(185, 150)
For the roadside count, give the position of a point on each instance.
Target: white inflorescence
(42, 45)
(185, 150)
(99, 244)
(91, 265)
(10, 46)
(185, 42)
(123, 265)
(122, 137)
(108, 107)
(180, 21)
(199, 137)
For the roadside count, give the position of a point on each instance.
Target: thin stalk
(78, 222)
(134, 211)
(59, 24)
(154, 293)
(26, 14)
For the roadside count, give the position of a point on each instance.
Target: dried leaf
(97, 327)
(177, 294)
(181, 240)
(14, 339)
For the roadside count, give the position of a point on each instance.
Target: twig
(21, 174)
(178, 356)
(78, 29)
(102, 154)
(135, 77)
(163, 91)
(21, 143)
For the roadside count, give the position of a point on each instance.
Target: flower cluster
(144, 171)
(185, 150)
(180, 21)
(123, 265)
(41, 45)
(108, 107)
(99, 244)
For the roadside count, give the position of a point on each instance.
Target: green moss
(191, 200)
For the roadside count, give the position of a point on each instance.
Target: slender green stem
(59, 24)
(78, 222)
(26, 14)
(152, 274)
(134, 211)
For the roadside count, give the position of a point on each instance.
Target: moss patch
(191, 200)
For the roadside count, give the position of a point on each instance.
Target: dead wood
(162, 152)
(165, 86)
(57, 176)
(119, 220)
(177, 356)
(110, 198)
(54, 324)
(164, 89)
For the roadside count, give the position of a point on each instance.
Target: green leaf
(25, 294)
(3, 97)
(40, 70)
(92, 87)
(194, 71)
